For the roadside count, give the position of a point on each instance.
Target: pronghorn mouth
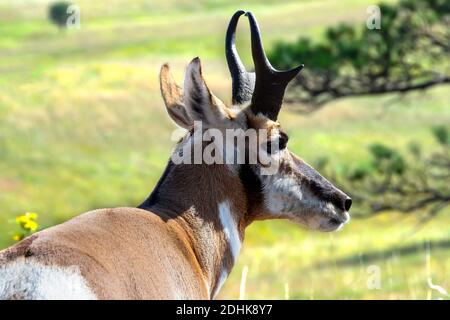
(321, 221)
(337, 222)
(343, 218)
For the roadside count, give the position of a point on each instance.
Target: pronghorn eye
(282, 143)
(283, 140)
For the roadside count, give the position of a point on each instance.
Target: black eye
(283, 140)
(282, 143)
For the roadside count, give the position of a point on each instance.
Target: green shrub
(57, 13)
(441, 134)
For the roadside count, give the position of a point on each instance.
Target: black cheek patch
(252, 185)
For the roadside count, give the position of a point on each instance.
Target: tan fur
(173, 98)
(261, 122)
(202, 221)
(179, 247)
(118, 253)
(130, 253)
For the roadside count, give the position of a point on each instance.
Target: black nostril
(347, 204)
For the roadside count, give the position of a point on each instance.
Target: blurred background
(83, 126)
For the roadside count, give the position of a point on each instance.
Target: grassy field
(82, 126)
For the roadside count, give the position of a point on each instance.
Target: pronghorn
(184, 239)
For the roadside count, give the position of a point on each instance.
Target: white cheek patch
(284, 195)
(27, 279)
(281, 193)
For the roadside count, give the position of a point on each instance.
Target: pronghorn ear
(173, 98)
(200, 103)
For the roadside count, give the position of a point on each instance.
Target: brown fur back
(118, 256)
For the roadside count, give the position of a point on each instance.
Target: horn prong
(270, 83)
(291, 73)
(265, 87)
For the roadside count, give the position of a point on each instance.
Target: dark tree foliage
(404, 182)
(57, 13)
(409, 52)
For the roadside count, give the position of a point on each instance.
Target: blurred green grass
(82, 126)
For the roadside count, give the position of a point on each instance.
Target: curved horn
(270, 83)
(243, 81)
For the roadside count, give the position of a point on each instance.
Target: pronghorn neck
(210, 203)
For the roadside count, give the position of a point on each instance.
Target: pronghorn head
(289, 189)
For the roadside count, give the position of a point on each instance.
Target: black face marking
(321, 187)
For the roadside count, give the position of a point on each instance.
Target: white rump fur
(27, 279)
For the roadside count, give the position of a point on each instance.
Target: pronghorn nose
(347, 204)
(341, 200)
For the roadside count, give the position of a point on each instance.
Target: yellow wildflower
(31, 215)
(17, 237)
(31, 225)
(28, 222)
(22, 219)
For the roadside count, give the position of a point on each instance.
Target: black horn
(243, 82)
(270, 83)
